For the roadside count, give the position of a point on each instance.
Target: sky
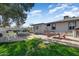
(50, 12)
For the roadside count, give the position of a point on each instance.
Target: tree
(14, 12)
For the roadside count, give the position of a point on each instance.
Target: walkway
(70, 41)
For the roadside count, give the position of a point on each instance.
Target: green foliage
(17, 49)
(32, 45)
(14, 12)
(13, 48)
(36, 47)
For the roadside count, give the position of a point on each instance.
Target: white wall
(62, 27)
(41, 28)
(77, 23)
(49, 27)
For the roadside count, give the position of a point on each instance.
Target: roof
(66, 20)
(37, 24)
(60, 21)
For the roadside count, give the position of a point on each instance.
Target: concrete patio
(70, 41)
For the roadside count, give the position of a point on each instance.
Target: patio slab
(71, 42)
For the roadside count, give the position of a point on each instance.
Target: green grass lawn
(36, 47)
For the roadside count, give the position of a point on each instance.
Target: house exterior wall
(48, 27)
(62, 27)
(41, 28)
(77, 31)
(77, 23)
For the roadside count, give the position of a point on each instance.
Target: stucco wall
(62, 27)
(40, 29)
(77, 23)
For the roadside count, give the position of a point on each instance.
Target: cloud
(50, 6)
(58, 8)
(62, 4)
(76, 9)
(73, 12)
(53, 10)
(35, 12)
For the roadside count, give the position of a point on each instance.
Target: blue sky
(49, 12)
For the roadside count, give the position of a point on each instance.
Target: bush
(17, 48)
(13, 48)
(36, 47)
(32, 46)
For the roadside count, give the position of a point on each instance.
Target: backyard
(36, 47)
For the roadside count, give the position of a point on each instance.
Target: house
(68, 24)
(38, 28)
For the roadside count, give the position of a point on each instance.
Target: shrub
(36, 47)
(32, 45)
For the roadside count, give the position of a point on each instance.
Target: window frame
(48, 24)
(71, 27)
(53, 27)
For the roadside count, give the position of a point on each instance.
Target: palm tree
(14, 12)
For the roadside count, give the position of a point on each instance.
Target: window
(1, 35)
(48, 24)
(72, 25)
(53, 26)
(7, 31)
(37, 27)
